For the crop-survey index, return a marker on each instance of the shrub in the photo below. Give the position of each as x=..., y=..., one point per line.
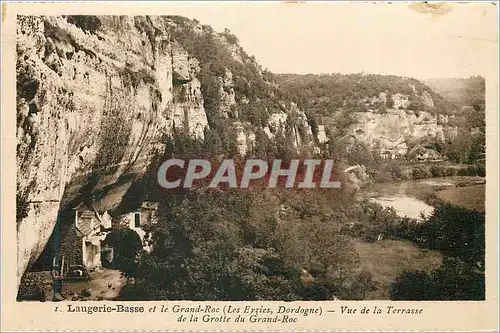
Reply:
x=454, y=231
x=127, y=245
x=421, y=171
x=453, y=280
x=22, y=207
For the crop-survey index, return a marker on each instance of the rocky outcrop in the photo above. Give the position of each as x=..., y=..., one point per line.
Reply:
x=245, y=137
x=227, y=104
x=427, y=99
x=95, y=97
x=391, y=131
x=187, y=110
x=322, y=138
x=276, y=123
x=357, y=176
x=401, y=101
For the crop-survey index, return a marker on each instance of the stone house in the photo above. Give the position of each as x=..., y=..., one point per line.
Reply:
x=144, y=215
x=429, y=155
x=81, y=237
x=396, y=152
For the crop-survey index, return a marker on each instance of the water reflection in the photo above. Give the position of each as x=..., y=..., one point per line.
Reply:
x=405, y=205
x=406, y=196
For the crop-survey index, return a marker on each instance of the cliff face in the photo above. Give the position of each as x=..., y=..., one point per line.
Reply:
x=187, y=108
x=96, y=95
x=239, y=95
x=92, y=109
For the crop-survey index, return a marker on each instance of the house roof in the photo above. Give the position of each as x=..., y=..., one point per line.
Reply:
x=87, y=222
x=84, y=223
x=149, y=205
x=82, y=206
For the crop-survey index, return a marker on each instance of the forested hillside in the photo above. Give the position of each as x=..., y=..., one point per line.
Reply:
x=328, y=93
x=462, y=92
x=274, y=244
x=372, y=114
x=236, y=90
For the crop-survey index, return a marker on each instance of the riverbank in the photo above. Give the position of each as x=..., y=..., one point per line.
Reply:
x=391, y=257
x=402, y=170
x=470, y=197
x=410, y=197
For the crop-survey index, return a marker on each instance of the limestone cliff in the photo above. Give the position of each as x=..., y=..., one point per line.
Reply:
x=239, y=95
x=392, y=131
x=95, y=97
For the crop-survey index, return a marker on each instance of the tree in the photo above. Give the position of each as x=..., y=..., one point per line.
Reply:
x=263, y=146
x=285, y=149
x=360, y=153
x=458, y=149
x=126, y=245
x=212, y=143
x=452, y=281
x=234, y=245
x=344, y=120
x=389, y=102
x=213, y=246
x=363, y=283
x=415, y=286
x=477, y=148
x=456, y=280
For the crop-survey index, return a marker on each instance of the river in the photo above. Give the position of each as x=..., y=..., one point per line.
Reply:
x=406, y=196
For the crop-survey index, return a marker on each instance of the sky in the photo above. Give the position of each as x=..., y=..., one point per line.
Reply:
x=321, y=37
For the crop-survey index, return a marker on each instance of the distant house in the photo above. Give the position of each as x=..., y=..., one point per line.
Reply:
x=386, y=154
x=399, y=156
x=421, y=153
x=429, y=155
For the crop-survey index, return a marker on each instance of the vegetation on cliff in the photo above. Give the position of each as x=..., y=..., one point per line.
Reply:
x=255, y=95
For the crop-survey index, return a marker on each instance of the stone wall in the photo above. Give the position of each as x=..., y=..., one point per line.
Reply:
x=36, y=286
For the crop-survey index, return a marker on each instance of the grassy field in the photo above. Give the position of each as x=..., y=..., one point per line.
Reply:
x=387, y=259
x=470, y=197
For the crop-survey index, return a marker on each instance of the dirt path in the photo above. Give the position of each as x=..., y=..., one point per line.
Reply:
x=105, y=285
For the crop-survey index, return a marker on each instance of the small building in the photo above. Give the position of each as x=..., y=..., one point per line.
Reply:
x=142, y=216
x=386, y=154
x=81, y=236
x=429, y=155
x=399, y=156
x=91, y=227
x=84, y=232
